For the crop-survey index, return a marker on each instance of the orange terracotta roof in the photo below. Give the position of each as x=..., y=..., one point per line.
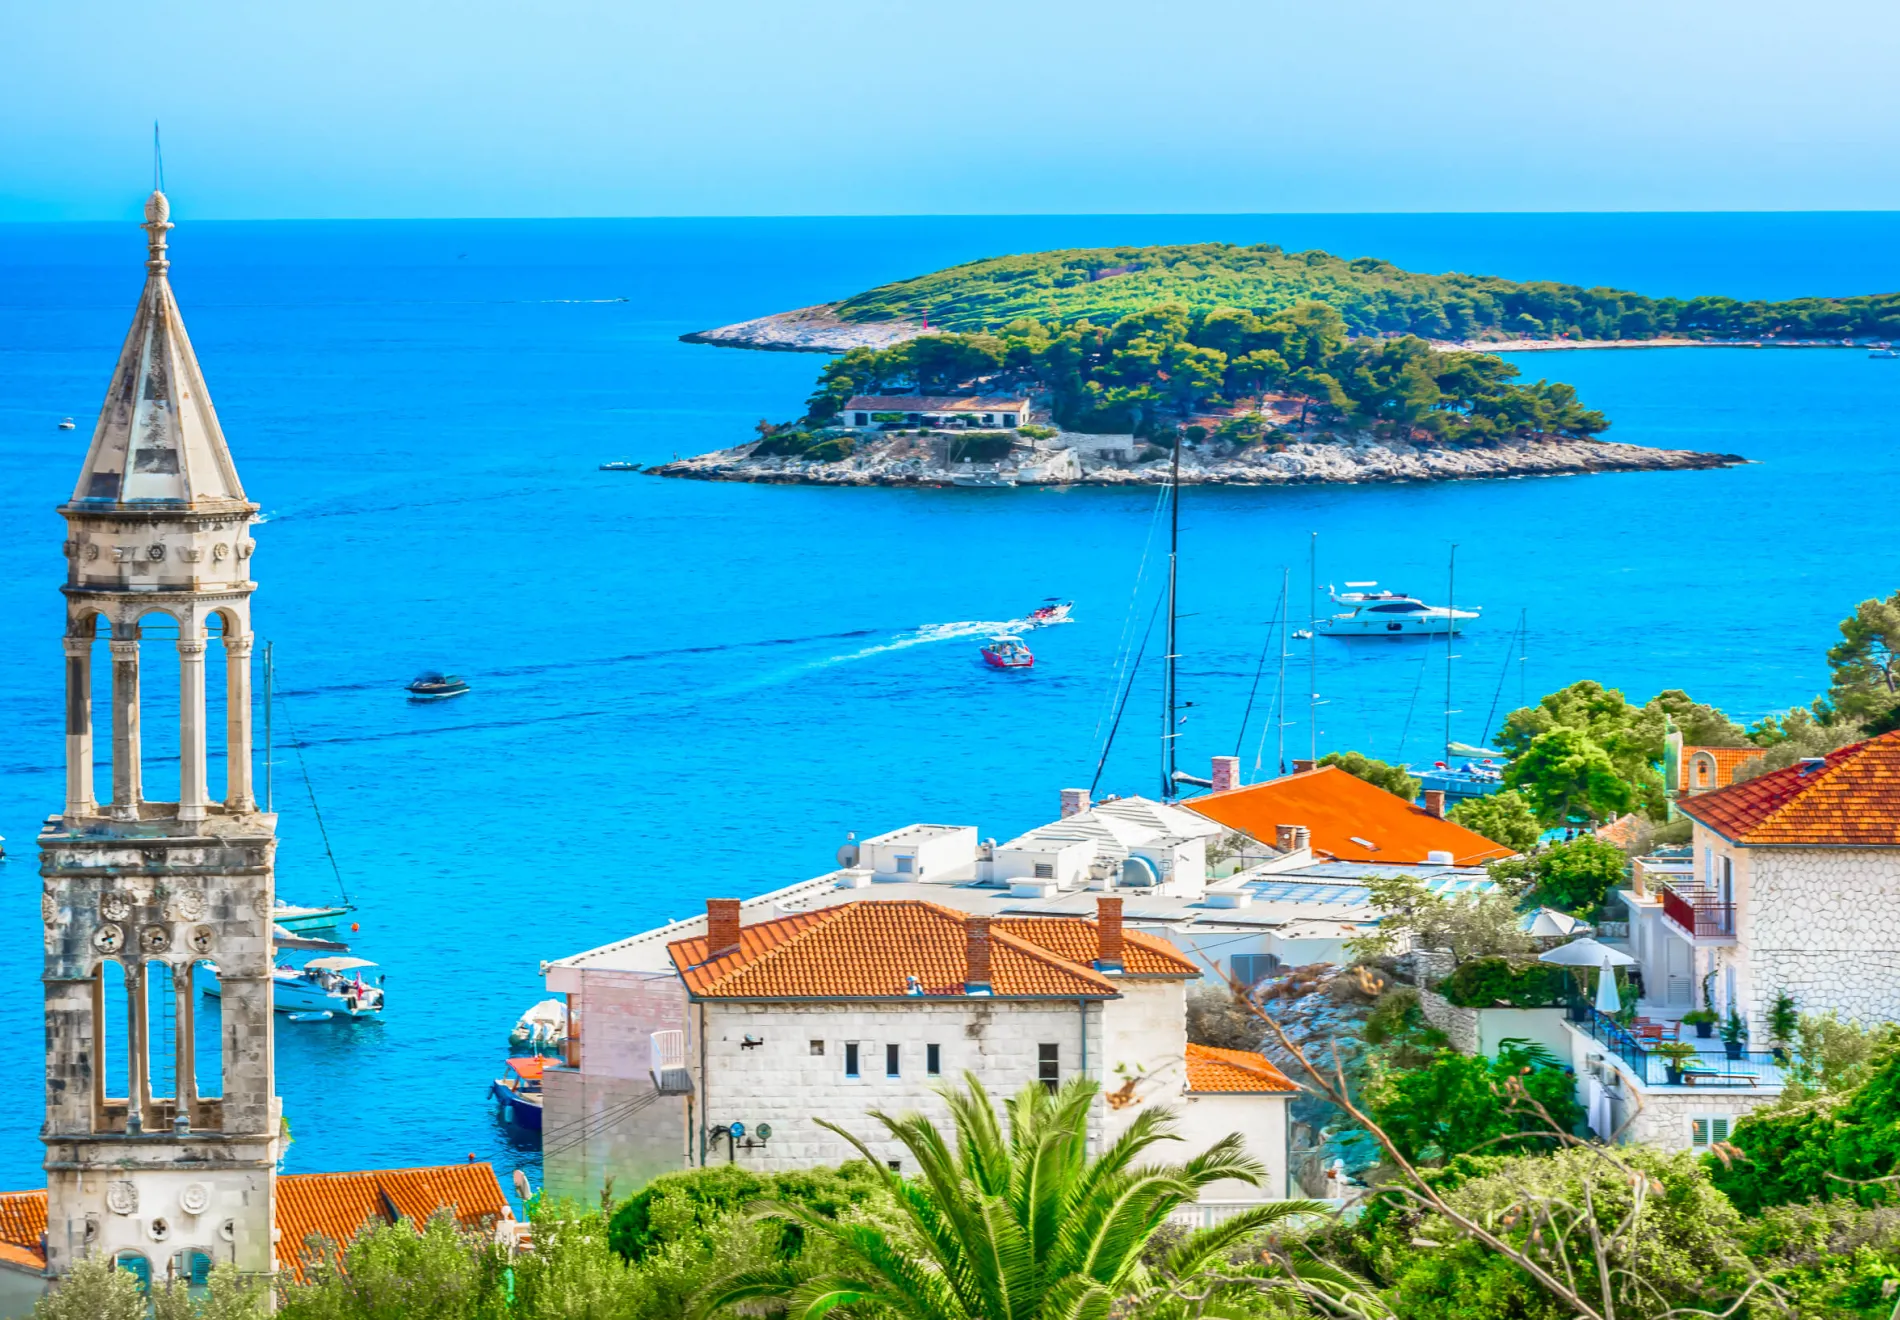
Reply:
x=22, y=1225
x=1852, y=799
x=1337, y=807
x=1723, y=762
x=332, y=1206
x=338, y=1206
x=1077, y=942
x=1224, y=1071
x=869, y=950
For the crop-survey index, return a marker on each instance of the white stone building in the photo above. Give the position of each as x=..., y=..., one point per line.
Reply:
x=1003, y=412
x=1792, y=885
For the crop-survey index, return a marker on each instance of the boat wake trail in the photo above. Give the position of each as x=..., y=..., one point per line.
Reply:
x=922, y=635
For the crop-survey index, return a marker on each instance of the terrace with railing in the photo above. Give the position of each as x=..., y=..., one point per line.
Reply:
x=1698, y=912
x=1710, y=1068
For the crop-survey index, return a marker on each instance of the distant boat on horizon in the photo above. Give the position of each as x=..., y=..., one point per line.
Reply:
x=67, y=424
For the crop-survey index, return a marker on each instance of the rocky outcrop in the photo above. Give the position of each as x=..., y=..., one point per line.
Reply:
x=1093, y=460
x=807, y=330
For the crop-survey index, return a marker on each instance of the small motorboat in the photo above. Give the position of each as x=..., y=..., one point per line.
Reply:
x=1884, y=353
x=986, y=478
x=517, y=1092
x=1457, y=782
x=542, y=1029
x=67, y=424
x=432, y=686
x=620, y=465
x=1052, y=610
x=1302, y=634
x=1007, y=653
x=321, y=1015
x=332, y=985
x=1378, y=613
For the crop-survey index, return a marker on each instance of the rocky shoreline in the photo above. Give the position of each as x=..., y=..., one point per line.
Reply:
x=1094, y=460
x=818, y=329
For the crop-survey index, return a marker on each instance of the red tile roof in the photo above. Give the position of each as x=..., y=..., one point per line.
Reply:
x=1852, y=799
x=869, y=950
x=1077, y=941
x=1213, y=1071
x=1722, y=763
x=1337, y=807
x=332, y=1206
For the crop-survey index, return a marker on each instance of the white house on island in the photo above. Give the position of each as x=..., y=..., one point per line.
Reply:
x=986, y=411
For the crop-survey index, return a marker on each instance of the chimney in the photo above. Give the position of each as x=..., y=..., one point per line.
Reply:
x=1302, y=839
x=722, y=926
x=1283, y=838
x=1226, y=773
x=1435, y=802
x=976, y=980
x=1075, y=801
x=1301, y=767
x=1108, y=934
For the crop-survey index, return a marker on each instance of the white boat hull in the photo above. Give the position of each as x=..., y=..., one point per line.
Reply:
x=292, y=992
x=1408, y=626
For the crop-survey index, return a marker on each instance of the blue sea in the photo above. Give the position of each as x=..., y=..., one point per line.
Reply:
x=685, y=690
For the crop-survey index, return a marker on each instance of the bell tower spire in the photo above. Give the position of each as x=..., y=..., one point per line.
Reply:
x=152, y=1149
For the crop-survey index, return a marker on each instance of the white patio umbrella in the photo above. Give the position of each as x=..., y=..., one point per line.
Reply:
x=1549, y=923
x=1585, y=952
x=1609, y=1000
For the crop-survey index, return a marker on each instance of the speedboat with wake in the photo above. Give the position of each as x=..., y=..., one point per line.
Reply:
x=1378, y=613
x=1007, y=653
x=1052, y=610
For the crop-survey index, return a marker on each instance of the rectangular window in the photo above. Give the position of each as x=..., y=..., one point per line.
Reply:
x=1048, y=1065
x=890, y=1061
x=863, y=419
x=1707, y=1130
x=818, y=1047
x=897, y=1166
x=905, y=865
x=1009, y=419
x=1252, y=968
x=851, y=1058
x=1045, y=870
x=933, y=1060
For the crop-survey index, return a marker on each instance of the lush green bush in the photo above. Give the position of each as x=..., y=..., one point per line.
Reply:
x=1504, y=818
x=395, y=1271
x=1459, y=1103
x=1487, y=982
x=685, y=1204
x=1832, y=1145
x=1574, y=876
x=832, y=449
x=1394, y=779
x=783, y=443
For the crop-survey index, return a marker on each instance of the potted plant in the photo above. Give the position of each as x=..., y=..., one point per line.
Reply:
x=1783, y=1021
x=1703, y=1020
x=1674, y=1054
x=1734, y=1032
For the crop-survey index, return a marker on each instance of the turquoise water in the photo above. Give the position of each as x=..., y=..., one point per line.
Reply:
x=686, y=690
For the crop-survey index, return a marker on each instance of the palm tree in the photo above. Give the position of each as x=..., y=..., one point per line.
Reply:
x=1022, y=1226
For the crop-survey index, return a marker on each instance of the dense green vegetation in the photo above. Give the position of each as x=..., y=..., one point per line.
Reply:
x=1504, y=818
x=1394, y=779
x=1574, y=876
x=1460, y=1103
x=1373, y=297
x=1512, y=982
x=1152, y=370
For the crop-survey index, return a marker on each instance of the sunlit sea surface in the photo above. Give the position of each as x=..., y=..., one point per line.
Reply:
x=685, y=690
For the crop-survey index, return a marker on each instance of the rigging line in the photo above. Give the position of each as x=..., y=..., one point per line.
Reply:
x=1259, y=669
x=1504, y=672
x=1125, y=646
x=1128, y=691
x=322, y=830
x=1416, y=688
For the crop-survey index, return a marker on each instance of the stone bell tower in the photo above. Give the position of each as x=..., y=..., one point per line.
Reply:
x=162, y=1121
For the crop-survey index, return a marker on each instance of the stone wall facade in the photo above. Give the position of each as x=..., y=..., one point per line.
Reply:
x=1822, y=924
x=1460, y=1025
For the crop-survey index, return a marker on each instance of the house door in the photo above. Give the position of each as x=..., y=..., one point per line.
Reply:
x=1679, y=973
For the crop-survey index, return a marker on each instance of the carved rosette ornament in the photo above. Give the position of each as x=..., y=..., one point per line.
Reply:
x=202, y=940
x=155, y=939
x=195, y=1199
x=122, y=1198
x=188, y=905
x=49, y=909
x=115, y=907
x=108, y=939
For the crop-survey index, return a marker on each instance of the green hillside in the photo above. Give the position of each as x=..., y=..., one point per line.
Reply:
x=1375, y=297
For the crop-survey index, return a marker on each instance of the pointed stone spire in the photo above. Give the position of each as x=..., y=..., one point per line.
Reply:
x=158, y=439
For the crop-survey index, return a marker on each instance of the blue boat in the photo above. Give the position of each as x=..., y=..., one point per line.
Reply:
x=517, y=1093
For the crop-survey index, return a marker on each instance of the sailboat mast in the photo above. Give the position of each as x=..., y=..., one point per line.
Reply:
x=269, y=758
x=1279, y=700
x=1451, y=634
x=1168, y=730
x=1312, y=645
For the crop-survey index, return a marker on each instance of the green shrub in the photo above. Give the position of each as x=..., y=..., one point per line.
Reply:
x=1504, y=818
x=1488, y=982
x=833, y=449
x=685, y=1204
x=1394, y=779
x=1038, y=432
x=1818, y=1149
x=1459, y=1103
x=783, y=444
x=1574, y=877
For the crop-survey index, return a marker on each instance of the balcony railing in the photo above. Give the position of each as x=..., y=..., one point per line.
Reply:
x=1699, y=913
x=1711, y=1069
x=669, y=1063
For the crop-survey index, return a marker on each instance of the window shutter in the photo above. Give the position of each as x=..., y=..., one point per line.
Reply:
x=1718, y=1130
x=1699, y=1133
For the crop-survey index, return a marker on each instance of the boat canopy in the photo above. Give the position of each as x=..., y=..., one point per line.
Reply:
x=529, y=1070
x=431, y=676
x=338, y=964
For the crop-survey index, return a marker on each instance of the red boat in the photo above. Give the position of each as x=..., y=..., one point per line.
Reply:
x=1007, y=653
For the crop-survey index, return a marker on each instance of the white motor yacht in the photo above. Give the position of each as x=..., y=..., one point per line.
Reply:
x=322, y=985
x=1378, y=613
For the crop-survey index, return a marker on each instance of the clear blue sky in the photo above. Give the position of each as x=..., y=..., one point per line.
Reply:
x=395, y=108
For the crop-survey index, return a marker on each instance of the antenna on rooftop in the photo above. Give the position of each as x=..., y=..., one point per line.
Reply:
x=158, y=161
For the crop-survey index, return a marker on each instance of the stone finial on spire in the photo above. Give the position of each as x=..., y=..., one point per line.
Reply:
x=158, y=210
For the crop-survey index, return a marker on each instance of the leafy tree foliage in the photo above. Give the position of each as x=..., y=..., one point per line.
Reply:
x=95, y=1289
x=1795, y=736
x=1834, y=1145
x=1470, y=925
x=1574, y=876
x=1164, y=361
x=1460, y=1103
x=1504, y=818
x=1568, y=777
x=1371, y=297
x=1016, y=1226
x=1865, y=664
x=678, y=1204
x=1631, y=737
x=1700, y=725
x=1394, y=779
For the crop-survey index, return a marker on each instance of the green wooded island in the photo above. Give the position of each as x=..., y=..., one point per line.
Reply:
x=1269, y=365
